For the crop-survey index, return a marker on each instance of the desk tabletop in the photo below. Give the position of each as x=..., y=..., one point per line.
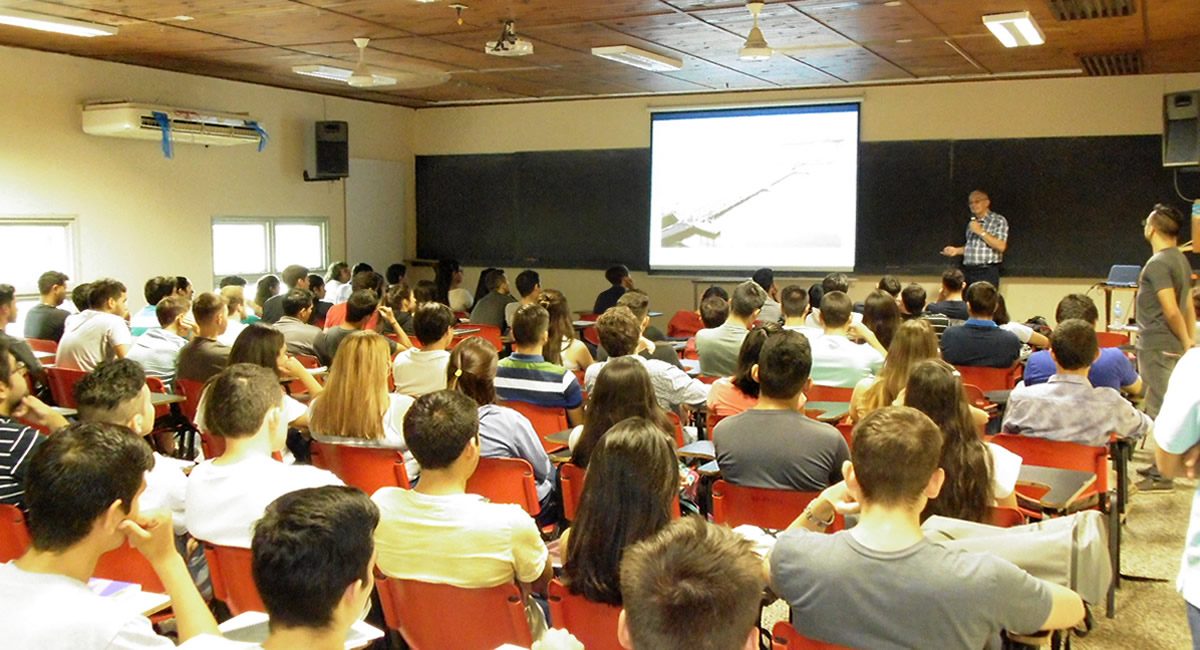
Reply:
x=1065, y=484
x=829, y=411
x=561, y=437
x=702, y=449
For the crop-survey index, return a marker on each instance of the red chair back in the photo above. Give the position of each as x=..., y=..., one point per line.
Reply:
x=735, y=505
x=1005, y=516
x=232, y=578
x=191, y=391
x=674, y=417
x=1062, y=455
x=418, y=611
x=156, y=385
x=126, y=564
x=990, y=378
x=43, y=345
x=711, y=420
x=684, y=323
x=489, y=333
x=506, y=480
x=14, y=535
x=594, y=624
x=817, y=393
x=62, y=385
x=785, y=637
x=308, y=360
x=366, y=468
x=846, y=428
x=571, y=476
x=590, y=334
x=546, y=420
x=212, y=446
x=1105, y=339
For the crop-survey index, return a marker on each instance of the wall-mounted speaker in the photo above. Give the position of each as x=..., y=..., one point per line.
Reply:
x=1181, y=129
x=329, y=156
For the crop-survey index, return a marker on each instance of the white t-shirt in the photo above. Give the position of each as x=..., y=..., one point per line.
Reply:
x=1022, y=330
x=1006, y=467
x=1177, y=429
x=813, y=321
x=225, y=501
x=90, y=338
x=52, y=611
x=417, y=372
x=568, y=347
x=838, y=361
x=460, y=299
x=166, y=489
x=232, y=331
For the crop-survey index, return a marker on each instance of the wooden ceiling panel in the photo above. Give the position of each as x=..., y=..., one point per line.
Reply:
x=926, y=58
x=870, y=23
x=298, y=25
x=1173, y=20
x=162, y=10
x=853, y=64
x=450, y=55
x=438, y=18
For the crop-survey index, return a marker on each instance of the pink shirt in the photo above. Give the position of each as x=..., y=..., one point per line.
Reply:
x=725, y=399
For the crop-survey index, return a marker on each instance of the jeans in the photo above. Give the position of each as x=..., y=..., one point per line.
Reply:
x=975, y=273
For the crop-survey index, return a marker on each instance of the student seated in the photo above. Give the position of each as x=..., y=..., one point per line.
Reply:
x=1068, y=407
x=1112, y=368
x=98, y=334
x=400, y=299
x=360, y=309
x=619, y=332
x=526, y=376
x=17, y=347
x=336, y=277
x=425, y=291
x=1025, y=333
x=718, y=347
x=80, y=295
x=17, y=439
x=46, y=319
x=912, y=307
x=914, y=343
x=355, y=402
x=638, y=302
x=297, y=307
x=979, y=341
x=714, y=311
x=489, y=310
x=264, y=346
x=361, y=281
x=321, y=306
x=503, y=432
x=881, y=316
x=774, y=445
x=236, y=318
x=732, y=395
x=693, y=585
x=832, y=282
x=890, y=285
x=771, y=311
x=437, y=532
x=84, y=484
x=950, y=302
x=836, y=360
x=227, y=495
x=632, y=483
x=450, y=292
x=154, y=291
x=529, y=288
x=794, y=305
x=313, y=564
x=623, y=390
x=979, y=474
x=116, y=393
x=420, y=370
x=882, y=584
x=157, y=350
x=563, y=346
x=295, y=277
x=203, y=356
x=618, y=277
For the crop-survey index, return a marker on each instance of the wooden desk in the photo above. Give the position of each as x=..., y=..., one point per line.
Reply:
x=1065, y=485
x=161, y=399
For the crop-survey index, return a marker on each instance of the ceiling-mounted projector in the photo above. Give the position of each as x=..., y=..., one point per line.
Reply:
x=509, y=44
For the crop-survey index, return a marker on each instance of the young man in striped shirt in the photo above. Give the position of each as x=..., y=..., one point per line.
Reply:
x=526, y=376
x=17, y=440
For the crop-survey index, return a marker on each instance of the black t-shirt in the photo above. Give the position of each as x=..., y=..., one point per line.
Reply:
x=45, y=322
x=608, y=298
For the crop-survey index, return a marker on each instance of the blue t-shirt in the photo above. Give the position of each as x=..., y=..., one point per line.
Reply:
x=1112, y=369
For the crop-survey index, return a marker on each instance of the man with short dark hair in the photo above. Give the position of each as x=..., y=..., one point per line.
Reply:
x=836, y=360
x=156, y=288
x=829, y=284
x=294, y=277
x=912, y=305
x=979, y=341
x=619, y=332
x=46, y=320
x=364, y=281
x=1112, y=368
x=638, y=302
x=714, y=311
x=693, y=571
x=489, y=310
x=437, y=532
x=950, y=301
x=890, y=284
x=98, y=334
x=420, y=370
x=19, y=348
x=718, y=347
x=231, y=281
x=84, y=486
x=529, y=287
x=774, y=445
x=157, y=349
x=297, y=333
x=881, y=584
x=526, y=376
x=1068, y=407
x=794, y=306
x=361, y=306
x=203, y=356
x=617, y=276
x=771, y=311
x=394, y=274
x=226, y=495
x=19, y=440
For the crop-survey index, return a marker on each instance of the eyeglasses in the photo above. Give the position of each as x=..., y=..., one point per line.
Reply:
x=20, y=368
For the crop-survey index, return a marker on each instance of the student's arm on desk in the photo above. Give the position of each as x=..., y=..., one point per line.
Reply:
x=153, y=536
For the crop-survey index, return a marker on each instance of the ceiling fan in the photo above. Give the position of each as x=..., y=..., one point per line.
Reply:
x=364, y=76
x=361, y=76
x=756, y=48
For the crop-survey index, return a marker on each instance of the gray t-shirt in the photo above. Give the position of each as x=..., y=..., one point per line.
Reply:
x=489, y=310
x=1166, y=269
x=718, y=348
x=782, y=450
x=924, y=596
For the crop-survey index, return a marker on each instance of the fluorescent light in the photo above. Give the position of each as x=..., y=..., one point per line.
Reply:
x=45, y=23
x=1015, y=29
x=638, y=58
x=343, y=75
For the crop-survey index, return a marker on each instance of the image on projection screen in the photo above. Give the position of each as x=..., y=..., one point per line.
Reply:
x=746, y=188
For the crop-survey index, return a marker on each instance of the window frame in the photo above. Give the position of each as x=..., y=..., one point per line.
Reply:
x=270, y=223
x=69, y=223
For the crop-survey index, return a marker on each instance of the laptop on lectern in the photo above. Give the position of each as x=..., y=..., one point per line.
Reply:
x=1123, y=275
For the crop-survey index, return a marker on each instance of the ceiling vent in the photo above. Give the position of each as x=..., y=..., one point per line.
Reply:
x=1091, y=9
x=1113, y=64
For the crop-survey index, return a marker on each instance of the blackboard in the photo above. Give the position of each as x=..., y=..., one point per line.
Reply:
x=1074, y=205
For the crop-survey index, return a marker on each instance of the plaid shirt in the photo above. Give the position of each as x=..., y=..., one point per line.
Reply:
x=976, y=251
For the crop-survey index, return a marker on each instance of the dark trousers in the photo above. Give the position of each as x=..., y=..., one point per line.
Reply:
x=976, y=272
x=1193, y=616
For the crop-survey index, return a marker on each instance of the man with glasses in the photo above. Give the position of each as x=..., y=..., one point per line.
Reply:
x=987, y=240
x=18, y=439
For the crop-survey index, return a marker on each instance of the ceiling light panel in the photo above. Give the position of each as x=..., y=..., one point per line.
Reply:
x=45, y=23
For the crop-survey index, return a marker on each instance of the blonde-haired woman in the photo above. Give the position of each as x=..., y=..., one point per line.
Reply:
x=913, y=343
x=356, y=402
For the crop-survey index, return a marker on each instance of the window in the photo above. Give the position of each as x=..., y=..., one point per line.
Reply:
x=34, y=245
x=252, y=247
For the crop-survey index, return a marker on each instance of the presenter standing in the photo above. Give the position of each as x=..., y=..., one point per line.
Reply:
x=987, y=239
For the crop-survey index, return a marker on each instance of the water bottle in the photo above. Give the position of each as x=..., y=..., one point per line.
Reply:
x=1118, y=312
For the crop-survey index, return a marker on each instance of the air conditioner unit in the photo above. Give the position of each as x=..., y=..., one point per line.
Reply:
x=167, y=124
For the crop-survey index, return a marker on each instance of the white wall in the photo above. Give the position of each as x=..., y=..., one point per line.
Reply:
x=140, y=214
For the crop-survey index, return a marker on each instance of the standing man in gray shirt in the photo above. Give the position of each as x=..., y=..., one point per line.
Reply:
x=881, y=584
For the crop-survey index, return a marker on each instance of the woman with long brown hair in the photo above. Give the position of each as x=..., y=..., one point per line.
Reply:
x=623, y=390
x=732, y=395
x=563, y=347
x=356, y=403
x=913, y=343
x=881, y=315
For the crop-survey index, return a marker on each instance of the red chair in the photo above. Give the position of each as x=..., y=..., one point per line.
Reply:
x=846, y=428
x=1105, y=339
x=735, y=505
x=590, y=334
x=43, y=345
x=126, y=564
x=785, y=637
x=674, y=417
x=571, y=476
x=232, y=578
x=711, y=420
x=366, y=468
x=62, y=385
x=546, y=420
x=191, y=391
x=988, y=379
x=684, y=324
x=1062, y=455
x=707, y=379
x=156, y=385
x=506, y=480
x=420, y=612
x=308, y=360
x=1006, y=516
x=490, y=333
x=14, y=535
x=817, y=393
x=594, y=624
